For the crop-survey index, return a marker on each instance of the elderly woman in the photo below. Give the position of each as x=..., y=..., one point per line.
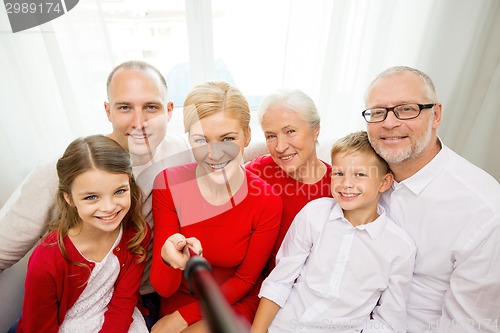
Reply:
x=215, y=205
x=291, y=125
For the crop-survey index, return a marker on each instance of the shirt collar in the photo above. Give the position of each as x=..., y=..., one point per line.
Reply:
x=374, y=228
x=424, y=176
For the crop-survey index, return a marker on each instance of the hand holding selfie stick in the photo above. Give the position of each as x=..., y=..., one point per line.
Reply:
x=218, y=314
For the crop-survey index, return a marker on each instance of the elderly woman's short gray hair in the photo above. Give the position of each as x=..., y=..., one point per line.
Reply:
x=292, y=100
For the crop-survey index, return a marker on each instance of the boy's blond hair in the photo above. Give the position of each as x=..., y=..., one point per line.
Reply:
x=358, y=142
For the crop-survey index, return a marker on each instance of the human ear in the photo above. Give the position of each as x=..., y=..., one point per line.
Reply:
x=438, y=110
x=316, y=132
x=386, y=182
x=170, y=108
x=108, y=110
x=67, y=197
x=248, y=136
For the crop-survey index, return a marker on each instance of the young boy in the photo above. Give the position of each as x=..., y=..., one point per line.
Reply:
x=343, y=266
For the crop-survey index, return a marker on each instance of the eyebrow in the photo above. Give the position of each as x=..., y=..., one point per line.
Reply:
x=394, y=104
x=220, y=136
x=287, y=127
x=283, y=128
x=125, y=184
x=228, y=133
x=85, y=193
x=128, y=103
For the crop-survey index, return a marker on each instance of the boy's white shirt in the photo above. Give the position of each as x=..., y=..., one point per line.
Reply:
x=330, y=275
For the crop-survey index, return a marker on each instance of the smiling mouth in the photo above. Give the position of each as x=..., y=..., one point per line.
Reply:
x=288, y=157
x=349, y=195
x=394, y=138
x=218, y=166
x=140, y=136
x=107, y=218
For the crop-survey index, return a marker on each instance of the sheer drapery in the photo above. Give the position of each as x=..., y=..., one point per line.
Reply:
x=48, y=89
x=466, y=64
x=452, y=41
x=52, y=78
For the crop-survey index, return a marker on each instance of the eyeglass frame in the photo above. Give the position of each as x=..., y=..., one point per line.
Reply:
x=387, y=110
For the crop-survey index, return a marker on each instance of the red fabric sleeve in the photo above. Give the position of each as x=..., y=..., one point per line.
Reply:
x=165, y=280
x=40, y=307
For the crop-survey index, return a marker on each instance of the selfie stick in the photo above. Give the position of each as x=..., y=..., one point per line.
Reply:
x=218, y=314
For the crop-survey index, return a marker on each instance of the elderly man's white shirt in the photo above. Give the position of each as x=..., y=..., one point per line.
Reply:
x=450, y=209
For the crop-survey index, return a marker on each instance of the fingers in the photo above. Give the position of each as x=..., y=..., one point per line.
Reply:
x=176, y=250
x=178, y=240
x=195, y=245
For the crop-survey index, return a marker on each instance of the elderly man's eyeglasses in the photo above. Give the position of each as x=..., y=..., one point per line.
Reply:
x=403, y=112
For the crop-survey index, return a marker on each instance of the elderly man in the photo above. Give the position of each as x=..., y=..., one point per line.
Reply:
x=448, y=206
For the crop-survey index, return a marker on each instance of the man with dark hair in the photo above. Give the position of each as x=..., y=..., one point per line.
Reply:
x=139, y=111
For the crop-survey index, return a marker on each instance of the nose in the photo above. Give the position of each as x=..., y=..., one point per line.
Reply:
x=391, y=120
x=281, y=144
x=347, y=181
x=215, y=151
x=107, y=205
x=138, y=119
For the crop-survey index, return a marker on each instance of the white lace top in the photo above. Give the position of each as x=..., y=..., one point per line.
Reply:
x=87, y=314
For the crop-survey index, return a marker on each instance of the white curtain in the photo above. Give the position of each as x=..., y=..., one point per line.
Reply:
x=48, y=90
x=52, y=78
x=455, y=42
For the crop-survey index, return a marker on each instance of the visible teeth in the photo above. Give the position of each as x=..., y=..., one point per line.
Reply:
x=107, y=218
x=349, y=195
x=286, y=158
x=219, y=166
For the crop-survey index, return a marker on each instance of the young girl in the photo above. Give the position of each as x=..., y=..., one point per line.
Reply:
x=85, y=274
